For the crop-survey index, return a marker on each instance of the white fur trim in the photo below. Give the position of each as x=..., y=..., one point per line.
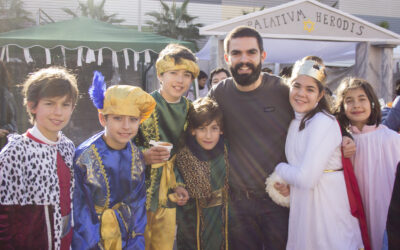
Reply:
x=273, y=193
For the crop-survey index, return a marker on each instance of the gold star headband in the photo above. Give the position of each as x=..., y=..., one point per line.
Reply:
x=310, y=68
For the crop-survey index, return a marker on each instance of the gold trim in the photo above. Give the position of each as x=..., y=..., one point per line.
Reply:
x=123, y=220
x=137, y=165
x=187, y=112
x=100, y=210
x=153, y=126
x=198, y=224
x=216, y=199
x=332, y=170
x=227, y=167
x=103, y=172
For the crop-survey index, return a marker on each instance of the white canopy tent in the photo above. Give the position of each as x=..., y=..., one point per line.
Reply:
x=307, y=27
x=288, y=51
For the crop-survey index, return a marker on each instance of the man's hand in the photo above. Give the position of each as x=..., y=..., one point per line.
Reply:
x=155, y=155
x=3, y=133
x=283, y=189
x=183, y=195
x=348, y=147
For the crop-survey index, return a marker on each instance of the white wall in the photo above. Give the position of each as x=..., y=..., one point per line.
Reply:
x=129, y=10
x=390, y=8
x=51, y=7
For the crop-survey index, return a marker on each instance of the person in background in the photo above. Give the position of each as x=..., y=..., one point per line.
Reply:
x=36, y=169
x=286, y=72
x=391, y=113
x=267, y=70
x=8, y=110
x=217, y=75
x=393, y=219
x=203, y=87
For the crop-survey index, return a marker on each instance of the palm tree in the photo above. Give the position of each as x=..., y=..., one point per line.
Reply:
x=245, y=12
x=175, y=22
x=13, y=16
x=90, y=9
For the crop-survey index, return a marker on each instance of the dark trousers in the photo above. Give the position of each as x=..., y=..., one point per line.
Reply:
x=257, y=224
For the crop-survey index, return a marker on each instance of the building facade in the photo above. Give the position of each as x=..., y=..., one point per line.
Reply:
x=214, y=11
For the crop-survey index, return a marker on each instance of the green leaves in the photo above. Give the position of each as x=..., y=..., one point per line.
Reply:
x=174, y=21
x=13, y=15
x=89, y=9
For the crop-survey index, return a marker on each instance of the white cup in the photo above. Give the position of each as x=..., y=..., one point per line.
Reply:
x=164, y=144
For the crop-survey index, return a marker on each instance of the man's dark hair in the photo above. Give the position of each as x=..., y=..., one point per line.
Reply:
x=243, y=31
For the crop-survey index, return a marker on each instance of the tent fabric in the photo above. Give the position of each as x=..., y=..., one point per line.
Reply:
x=286, y=51
x=90, y=33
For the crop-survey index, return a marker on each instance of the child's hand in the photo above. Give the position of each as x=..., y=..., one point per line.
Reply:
x=155, y=155
x=283, y=189
x=183, y=195
x=348, y=147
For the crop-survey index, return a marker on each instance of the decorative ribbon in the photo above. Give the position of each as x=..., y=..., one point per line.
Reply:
x=90, y=57
x=48, y=57
x=168, y=179
x=63, y=53
x=147, y=58
x=7, y=54
x=27, y=55
x=126, y=56
x=100, y=57
x=79, y=57
x=136, y=60
x=3, y=51
x=115, y=59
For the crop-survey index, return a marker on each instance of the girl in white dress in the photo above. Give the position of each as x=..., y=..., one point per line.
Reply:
x=377, y=154
x=320, y=216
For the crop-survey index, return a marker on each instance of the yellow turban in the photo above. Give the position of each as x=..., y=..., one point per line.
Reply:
x=128, y=100
x=167, y=63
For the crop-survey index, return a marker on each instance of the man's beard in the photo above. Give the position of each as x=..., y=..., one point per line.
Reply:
x=246, y=79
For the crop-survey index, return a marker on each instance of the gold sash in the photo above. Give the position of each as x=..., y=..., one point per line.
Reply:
x=168, y=179
x=109, y=230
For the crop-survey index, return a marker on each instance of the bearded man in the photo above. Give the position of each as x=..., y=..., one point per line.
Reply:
x=257, y=114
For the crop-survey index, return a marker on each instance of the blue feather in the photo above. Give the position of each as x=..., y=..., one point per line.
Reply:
x=97, y=90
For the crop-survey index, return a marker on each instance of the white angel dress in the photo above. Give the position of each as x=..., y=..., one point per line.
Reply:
x=320, y=216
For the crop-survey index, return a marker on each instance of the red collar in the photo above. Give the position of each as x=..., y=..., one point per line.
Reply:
x=29, y=135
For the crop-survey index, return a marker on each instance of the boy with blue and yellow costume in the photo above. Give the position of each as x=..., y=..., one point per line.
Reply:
x=110, y=195
x=176, y=69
